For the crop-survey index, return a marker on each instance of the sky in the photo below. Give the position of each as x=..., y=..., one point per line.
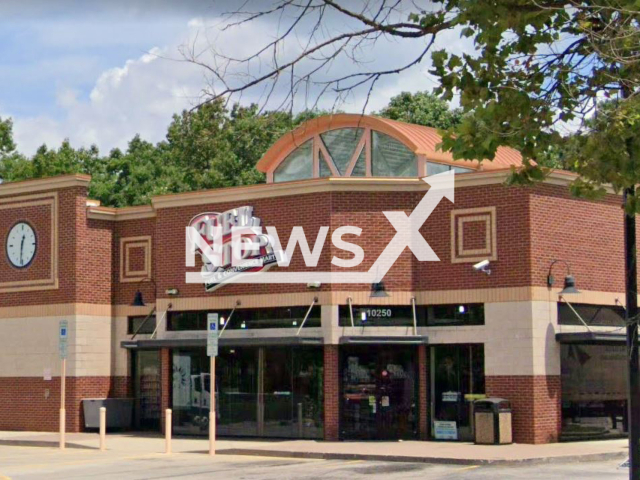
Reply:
x=100, y=72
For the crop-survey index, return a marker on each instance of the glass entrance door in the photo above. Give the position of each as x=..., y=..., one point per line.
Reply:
x=146, y=374
x=260, y=391
x=379, y=393
x=457, y=373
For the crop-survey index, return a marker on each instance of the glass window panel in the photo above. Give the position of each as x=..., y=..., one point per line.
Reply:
x=325, y=171
x=461, y=170
x=390, y=158
x=436, y=168
x=380, y=316
x=247, y=319
x=460, y=314
x=597, y=315
x=341, y=145
x=594, y=391
x=139, y=325
x=360, y=168
x=297, y=165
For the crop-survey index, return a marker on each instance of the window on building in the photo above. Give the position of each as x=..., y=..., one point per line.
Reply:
x=391, y=158
x=379, y=316
x=135, y=323
x=341, y=145
x=594, y=391
x=456, y=314
x=247, y=319
x=594, y=315
x=297, y=165
x=402, y=315
x=436, y=168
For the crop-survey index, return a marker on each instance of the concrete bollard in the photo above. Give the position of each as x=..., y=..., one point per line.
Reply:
x=62, y=428
x=167, y=431
x=103, y=429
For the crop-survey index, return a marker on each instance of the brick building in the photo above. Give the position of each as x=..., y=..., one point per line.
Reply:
x=401, y=359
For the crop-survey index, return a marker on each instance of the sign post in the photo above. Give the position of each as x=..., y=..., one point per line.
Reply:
x=62, y=350
x=212, y=352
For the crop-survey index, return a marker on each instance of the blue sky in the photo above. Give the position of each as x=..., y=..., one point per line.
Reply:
x=98, y=72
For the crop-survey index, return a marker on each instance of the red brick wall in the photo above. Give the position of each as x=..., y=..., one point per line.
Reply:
x=67, y=219
x=331, y=393
x=24, y=406
x=536, y=404
x=165, y=383
x=588, y=235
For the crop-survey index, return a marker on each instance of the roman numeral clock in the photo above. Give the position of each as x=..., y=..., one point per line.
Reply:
x=22, y=245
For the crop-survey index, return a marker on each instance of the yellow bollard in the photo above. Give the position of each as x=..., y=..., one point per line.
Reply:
x=167, y=431
x=103, y=429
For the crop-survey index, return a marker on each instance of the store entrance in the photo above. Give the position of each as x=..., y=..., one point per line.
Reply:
x=457, y=376
x=379, y=393
x=260, y=391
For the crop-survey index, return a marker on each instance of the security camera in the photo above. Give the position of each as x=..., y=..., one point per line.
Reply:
x=314, y=285
x=482, y=266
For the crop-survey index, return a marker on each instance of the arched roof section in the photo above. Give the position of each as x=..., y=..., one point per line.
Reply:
x=420, y=140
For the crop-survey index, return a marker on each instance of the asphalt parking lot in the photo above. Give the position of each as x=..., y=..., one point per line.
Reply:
x=50, y=463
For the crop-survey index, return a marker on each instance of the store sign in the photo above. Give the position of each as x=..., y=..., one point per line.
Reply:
x=212, y=334
x=63, y=339
x=237, y=245
x=445, y=430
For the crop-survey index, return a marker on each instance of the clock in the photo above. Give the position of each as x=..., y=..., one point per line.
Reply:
x=22, y=245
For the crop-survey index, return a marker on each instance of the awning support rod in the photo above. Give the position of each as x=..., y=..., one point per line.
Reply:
x=315, y=299
x=143, y=322
x=350, y=310
x=576, y=313
x=161, y=319
x=415, y=320
x=229, y=319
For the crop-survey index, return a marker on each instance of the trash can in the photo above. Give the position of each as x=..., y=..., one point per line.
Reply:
x=119, y=412
x=492, y=418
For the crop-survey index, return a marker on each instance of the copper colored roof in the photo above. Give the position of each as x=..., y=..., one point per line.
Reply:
x=421, y=140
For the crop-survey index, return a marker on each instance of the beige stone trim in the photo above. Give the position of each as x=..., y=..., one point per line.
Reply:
x=50, y=200
x=458, y=219
x=44, y=184
x=487, y=295
x=55, y=310
x=131, y=311
x=126, y=244
x=120, y=214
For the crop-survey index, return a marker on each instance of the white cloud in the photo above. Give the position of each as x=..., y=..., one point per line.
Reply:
x=140, y=96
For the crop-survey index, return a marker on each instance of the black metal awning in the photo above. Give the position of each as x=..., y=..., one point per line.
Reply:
x=223, y=342
x=399, y=340
x=592, y=338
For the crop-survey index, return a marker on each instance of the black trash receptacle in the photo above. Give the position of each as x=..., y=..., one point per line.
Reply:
x=492, y=418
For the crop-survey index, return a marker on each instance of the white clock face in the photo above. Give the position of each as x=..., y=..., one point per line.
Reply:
x=21, y=245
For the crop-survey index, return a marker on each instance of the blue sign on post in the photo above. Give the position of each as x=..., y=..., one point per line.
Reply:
x=63, y=338
x=212, y=334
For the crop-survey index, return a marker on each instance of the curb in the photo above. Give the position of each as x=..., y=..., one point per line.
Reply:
x=41, y=443
x=593, y=457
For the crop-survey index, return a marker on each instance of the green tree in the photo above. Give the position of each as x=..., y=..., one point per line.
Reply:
x=422, y=108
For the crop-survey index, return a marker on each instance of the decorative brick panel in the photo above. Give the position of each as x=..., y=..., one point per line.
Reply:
x=331, y=393
x=536, y=404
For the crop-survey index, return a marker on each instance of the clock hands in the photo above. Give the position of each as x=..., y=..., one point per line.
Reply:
x=22, y=248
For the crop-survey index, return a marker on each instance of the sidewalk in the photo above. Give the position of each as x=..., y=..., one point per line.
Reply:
x=408, y=451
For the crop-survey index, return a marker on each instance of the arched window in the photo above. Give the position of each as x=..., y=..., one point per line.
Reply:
x=390, y=158
x=297, y=165
x=341, y=145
